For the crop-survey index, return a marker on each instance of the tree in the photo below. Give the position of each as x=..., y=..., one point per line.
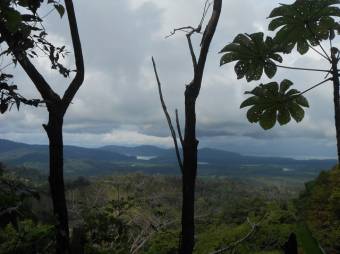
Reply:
x=190, y=142
x=304, y=24
x=21, y=30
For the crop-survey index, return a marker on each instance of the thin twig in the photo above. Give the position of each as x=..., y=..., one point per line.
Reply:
x=301, y=69
x=316, y=38
x=172, y=130
x=186, y=29
x=179, y=129
x=232, y=246
x=317, y=51
x=318, y=84
x=205, y=11
x=192, y=52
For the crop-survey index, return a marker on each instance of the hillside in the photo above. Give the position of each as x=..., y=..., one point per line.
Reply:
x=80, y=161
x=320, y=208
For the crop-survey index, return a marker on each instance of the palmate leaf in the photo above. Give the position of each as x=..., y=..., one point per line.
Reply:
x=273, y=102
x=253, y=54
x=304, y=22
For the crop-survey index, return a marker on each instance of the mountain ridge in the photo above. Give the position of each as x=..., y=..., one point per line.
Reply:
x=120, y=159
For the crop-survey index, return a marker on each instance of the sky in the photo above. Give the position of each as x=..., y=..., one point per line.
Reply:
x=119, y=104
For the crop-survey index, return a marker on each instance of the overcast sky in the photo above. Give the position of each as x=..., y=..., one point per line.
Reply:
x=118, y=102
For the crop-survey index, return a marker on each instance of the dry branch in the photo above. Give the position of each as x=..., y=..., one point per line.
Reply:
x=172, y=130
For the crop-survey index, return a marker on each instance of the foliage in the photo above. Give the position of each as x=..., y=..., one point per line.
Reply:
x=273, y=102
x=319, y=206
x=28, y=238
x=14, y=194
x=20, y=20
x=19, y=231
x=108, y=227
x=304, y=24
x=253, y=55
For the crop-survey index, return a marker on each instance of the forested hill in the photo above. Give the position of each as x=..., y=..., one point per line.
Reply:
x=320, y=208
x=80, y=161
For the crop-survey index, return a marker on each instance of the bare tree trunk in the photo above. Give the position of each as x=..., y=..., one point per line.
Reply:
x=336, y=97
x=190, y=143
x=189, y=174
x=54, y=130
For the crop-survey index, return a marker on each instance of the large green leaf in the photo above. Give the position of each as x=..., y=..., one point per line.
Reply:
x=304, y=22
x=273, y=102
x=253, y=54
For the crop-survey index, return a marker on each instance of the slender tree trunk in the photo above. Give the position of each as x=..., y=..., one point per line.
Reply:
x=189, y=175
x=336, y=97
x=54, y=130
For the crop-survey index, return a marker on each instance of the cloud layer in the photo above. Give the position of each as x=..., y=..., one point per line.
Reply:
x=118, y=103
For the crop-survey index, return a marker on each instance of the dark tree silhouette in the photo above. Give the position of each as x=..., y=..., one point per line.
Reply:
x=17, y=31
x=190, y=142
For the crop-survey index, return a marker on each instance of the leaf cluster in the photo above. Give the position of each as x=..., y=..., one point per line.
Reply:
x=10, y=97
x=275, y=102
x=20, y=20
x=303, y=24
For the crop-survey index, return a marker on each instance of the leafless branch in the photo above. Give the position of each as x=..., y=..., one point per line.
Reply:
x=79, y=78
x=192, y=52
x=253, y=227
x=185, y=29
x=205, y=11
x=179, y=129
x=172, y=130
x=205, y=44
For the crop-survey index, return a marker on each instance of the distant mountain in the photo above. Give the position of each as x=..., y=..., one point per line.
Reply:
x=144, y=150
x=36, y=156
x=80, y=161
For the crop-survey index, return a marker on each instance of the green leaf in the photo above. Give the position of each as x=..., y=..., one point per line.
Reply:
x=250, y=101
x=270, y=69
x=277, y=58
x=13, y=18
x=254, y=114
x=303, y=22
x=241, y=68
x=268, y=119
x=272, y=102
x=285, y=85
x=227, y=58
x=302, y=101
x=296, y=112
x=302, y=47
x=255, y=55
x=283, y=116
x=60, y=9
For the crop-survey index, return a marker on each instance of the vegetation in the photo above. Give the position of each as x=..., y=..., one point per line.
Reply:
x=320, y=208
x=141, y=214
x=240, y=208
x=304, y=24
x=24, y=34
x=190, y=143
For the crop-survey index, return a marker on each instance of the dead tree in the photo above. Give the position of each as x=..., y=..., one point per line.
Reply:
x=190, y=142
x=57, y=107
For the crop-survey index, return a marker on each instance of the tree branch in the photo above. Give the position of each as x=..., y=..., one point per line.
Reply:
x=179, y=129
x=311, y=88
x=38, y=80
x=232, y=246
x=192, y=52
x=300, y=69
x=172, y=130
x=317, y=51
x=79, y=78
x=205, y=44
